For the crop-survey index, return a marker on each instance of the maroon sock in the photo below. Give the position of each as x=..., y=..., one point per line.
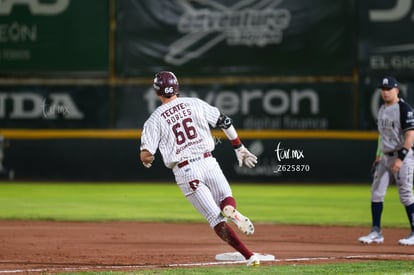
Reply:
x=228, y=201
x=227, y=234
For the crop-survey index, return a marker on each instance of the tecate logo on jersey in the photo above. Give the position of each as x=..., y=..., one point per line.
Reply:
x=176, y=113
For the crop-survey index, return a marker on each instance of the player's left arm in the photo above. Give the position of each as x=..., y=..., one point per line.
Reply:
x=408, y=143
x=243, y=155
x=407, y=124
x=409, y=139
x=217, y=119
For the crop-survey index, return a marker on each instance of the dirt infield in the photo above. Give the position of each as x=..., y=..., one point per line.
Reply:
x=83, y=246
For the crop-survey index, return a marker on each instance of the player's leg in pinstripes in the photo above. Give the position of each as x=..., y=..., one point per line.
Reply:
x=204, y=201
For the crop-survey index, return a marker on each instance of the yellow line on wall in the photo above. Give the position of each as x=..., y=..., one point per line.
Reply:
x=136, y=134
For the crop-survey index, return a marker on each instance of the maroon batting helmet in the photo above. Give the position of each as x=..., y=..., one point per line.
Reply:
x=165, y=84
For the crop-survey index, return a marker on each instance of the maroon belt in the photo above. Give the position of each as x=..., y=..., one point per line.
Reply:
x=186, y=162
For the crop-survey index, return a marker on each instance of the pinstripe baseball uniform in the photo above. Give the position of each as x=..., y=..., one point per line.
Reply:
x=180, y=128
x=181, y=131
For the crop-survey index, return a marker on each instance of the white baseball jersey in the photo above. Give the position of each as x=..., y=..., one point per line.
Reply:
x=392, y=122
x=180, y=129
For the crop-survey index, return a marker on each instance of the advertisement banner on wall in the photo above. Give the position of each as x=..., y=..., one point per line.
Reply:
x=235, y=37
x=253, y=106
x=59, y=36
x=386, y=41
x=54, y=107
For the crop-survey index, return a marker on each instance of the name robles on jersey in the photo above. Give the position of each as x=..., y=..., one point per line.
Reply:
x=176, y=113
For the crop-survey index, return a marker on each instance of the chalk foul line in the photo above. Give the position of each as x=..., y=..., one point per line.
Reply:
x=119, y=267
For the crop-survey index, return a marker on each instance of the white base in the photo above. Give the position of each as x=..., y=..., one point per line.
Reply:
x=236, y=256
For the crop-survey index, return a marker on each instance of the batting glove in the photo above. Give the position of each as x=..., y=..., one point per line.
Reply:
x=245, y=157
x=250, y=161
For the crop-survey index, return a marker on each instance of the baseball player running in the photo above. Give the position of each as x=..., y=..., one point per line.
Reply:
x=395, y=162
x=180, y=128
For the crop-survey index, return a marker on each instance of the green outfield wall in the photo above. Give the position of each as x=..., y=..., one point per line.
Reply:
x=54, y=37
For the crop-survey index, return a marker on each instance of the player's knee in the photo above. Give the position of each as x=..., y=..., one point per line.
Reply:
x=406, y=201
x=377, y=197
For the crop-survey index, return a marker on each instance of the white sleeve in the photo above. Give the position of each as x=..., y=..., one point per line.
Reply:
x=212, y=113
x=150, y=136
